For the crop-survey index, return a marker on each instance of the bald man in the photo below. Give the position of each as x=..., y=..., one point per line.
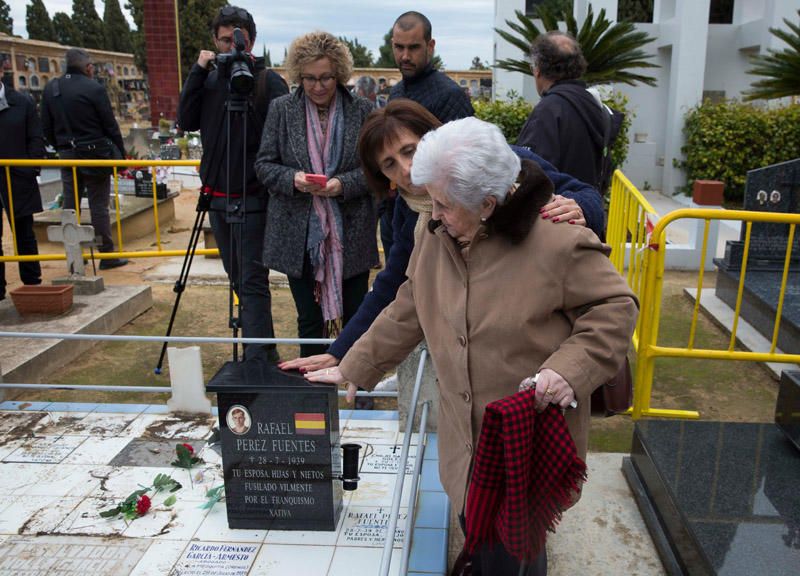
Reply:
x=568, y=126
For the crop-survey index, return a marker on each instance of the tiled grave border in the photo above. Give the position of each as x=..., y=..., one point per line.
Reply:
x=432, y=523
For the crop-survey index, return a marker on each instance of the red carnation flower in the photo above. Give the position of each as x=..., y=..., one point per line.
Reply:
x=143, y=505
x=189, y=448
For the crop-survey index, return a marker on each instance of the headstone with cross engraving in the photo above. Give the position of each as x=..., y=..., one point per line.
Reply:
x=74, y=236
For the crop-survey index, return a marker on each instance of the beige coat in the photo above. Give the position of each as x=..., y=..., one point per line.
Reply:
x=553, y=301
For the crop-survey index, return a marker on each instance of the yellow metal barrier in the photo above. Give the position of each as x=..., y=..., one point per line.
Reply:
x=115, y=165
x=637, y=238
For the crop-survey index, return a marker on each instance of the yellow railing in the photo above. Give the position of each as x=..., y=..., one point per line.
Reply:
x=6, y=164
x=637, y=237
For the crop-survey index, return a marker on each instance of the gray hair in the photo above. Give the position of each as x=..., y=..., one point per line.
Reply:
x=366, y=86
x=469, y=159
x=77, y=58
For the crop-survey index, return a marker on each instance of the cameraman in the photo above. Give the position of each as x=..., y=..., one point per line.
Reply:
x=203, y=107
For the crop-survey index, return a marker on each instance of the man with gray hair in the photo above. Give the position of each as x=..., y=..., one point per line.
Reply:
x=568, y=127
x=76, y=116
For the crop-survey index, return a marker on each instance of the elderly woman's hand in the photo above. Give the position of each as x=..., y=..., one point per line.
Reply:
x=561, y=209
x=551, y=388
x=332, y=376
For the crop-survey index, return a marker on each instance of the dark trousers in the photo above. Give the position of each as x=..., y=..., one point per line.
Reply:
x=254, y=295
x=385, y=217
x=496, y=561
x=97, y=190
x=309, y=314
x=29, y=272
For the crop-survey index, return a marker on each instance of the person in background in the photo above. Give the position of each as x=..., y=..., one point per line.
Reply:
x=203, y=107
x=321, y=224
x=567, y=127
x=20, y=123
x=413, y=48
x=76, y=109
x=499, y=295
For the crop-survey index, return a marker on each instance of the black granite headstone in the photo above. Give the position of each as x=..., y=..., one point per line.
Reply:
x=280, y=448
x=787, y=408
x=774, y=188
x=718, y=497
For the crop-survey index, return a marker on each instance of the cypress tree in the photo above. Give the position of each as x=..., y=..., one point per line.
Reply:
x=136, y=9
x=6, y=21
x=85, y=18
x=38, y=23
x=195, y=25
x=66, y=31
x=118, y=33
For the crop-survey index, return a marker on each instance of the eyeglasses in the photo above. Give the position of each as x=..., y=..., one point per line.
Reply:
x=310, y=81
x=234, y=11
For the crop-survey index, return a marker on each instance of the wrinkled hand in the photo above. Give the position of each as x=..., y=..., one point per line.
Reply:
x=303, y=185
x=310, y=363
x=332, y=376
x=561, y=209
x=205, y=57
x=553, y=389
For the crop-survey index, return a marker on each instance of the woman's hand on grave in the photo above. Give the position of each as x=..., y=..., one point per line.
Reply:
x=332, y=376
x=310, y=363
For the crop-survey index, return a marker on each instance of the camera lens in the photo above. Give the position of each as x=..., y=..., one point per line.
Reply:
x=241, y=78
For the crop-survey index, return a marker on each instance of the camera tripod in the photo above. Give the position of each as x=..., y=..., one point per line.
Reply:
x=235, y=218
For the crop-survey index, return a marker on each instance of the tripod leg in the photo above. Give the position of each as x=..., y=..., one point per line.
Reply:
x=180, y=283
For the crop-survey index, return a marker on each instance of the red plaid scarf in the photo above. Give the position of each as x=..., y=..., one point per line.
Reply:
x=525, y=473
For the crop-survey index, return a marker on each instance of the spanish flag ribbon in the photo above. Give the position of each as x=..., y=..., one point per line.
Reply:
x=306, y=423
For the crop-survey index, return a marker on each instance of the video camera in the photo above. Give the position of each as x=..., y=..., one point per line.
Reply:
x=236, y=66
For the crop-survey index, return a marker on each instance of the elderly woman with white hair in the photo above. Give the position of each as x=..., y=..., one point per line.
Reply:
x=499, y=295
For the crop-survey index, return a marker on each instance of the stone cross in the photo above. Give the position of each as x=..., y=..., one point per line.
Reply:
x=72, y=234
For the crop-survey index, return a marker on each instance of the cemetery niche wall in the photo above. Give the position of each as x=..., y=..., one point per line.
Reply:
x=281, y=454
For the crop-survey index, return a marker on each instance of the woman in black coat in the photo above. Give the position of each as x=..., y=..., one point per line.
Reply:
x=20, y=123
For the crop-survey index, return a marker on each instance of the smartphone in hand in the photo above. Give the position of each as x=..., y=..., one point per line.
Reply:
x=318, y=179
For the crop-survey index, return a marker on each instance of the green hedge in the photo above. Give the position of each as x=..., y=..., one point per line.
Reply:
x=725, y=140
x=510, y=115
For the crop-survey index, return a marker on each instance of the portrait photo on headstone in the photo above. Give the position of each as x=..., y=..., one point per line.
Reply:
x=238, y=420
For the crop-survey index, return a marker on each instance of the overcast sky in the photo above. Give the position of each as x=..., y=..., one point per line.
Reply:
x=462, y=28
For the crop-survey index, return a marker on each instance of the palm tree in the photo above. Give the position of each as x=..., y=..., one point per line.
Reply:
x=781, y=70
x=611, y=51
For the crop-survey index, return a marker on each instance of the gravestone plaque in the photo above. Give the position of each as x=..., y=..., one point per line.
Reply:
x=215, y=559
x=280, y=448
x=383, y=459
x=45, y=450
x=364, y=526
x=66, y=556
x=771, y=189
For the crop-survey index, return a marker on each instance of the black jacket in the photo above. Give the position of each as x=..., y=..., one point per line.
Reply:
x=87, y=109
x=22, y=139
x=202, y=107
x=435, y=91
x=566, y=128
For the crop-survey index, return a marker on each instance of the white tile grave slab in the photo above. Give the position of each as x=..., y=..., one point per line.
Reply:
x=366, y=526
x=383, y=459
x=68, y=556
x=215, y=559
x=159, y=558
x=48, y=450
x=281, y=559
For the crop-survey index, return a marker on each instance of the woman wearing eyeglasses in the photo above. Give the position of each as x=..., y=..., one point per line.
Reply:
x=321, y=223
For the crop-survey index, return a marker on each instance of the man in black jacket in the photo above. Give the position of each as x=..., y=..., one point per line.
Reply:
x=18, y=119
x=568, y=126
x=75, y=110
x=413, y=48
x=203, y=107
